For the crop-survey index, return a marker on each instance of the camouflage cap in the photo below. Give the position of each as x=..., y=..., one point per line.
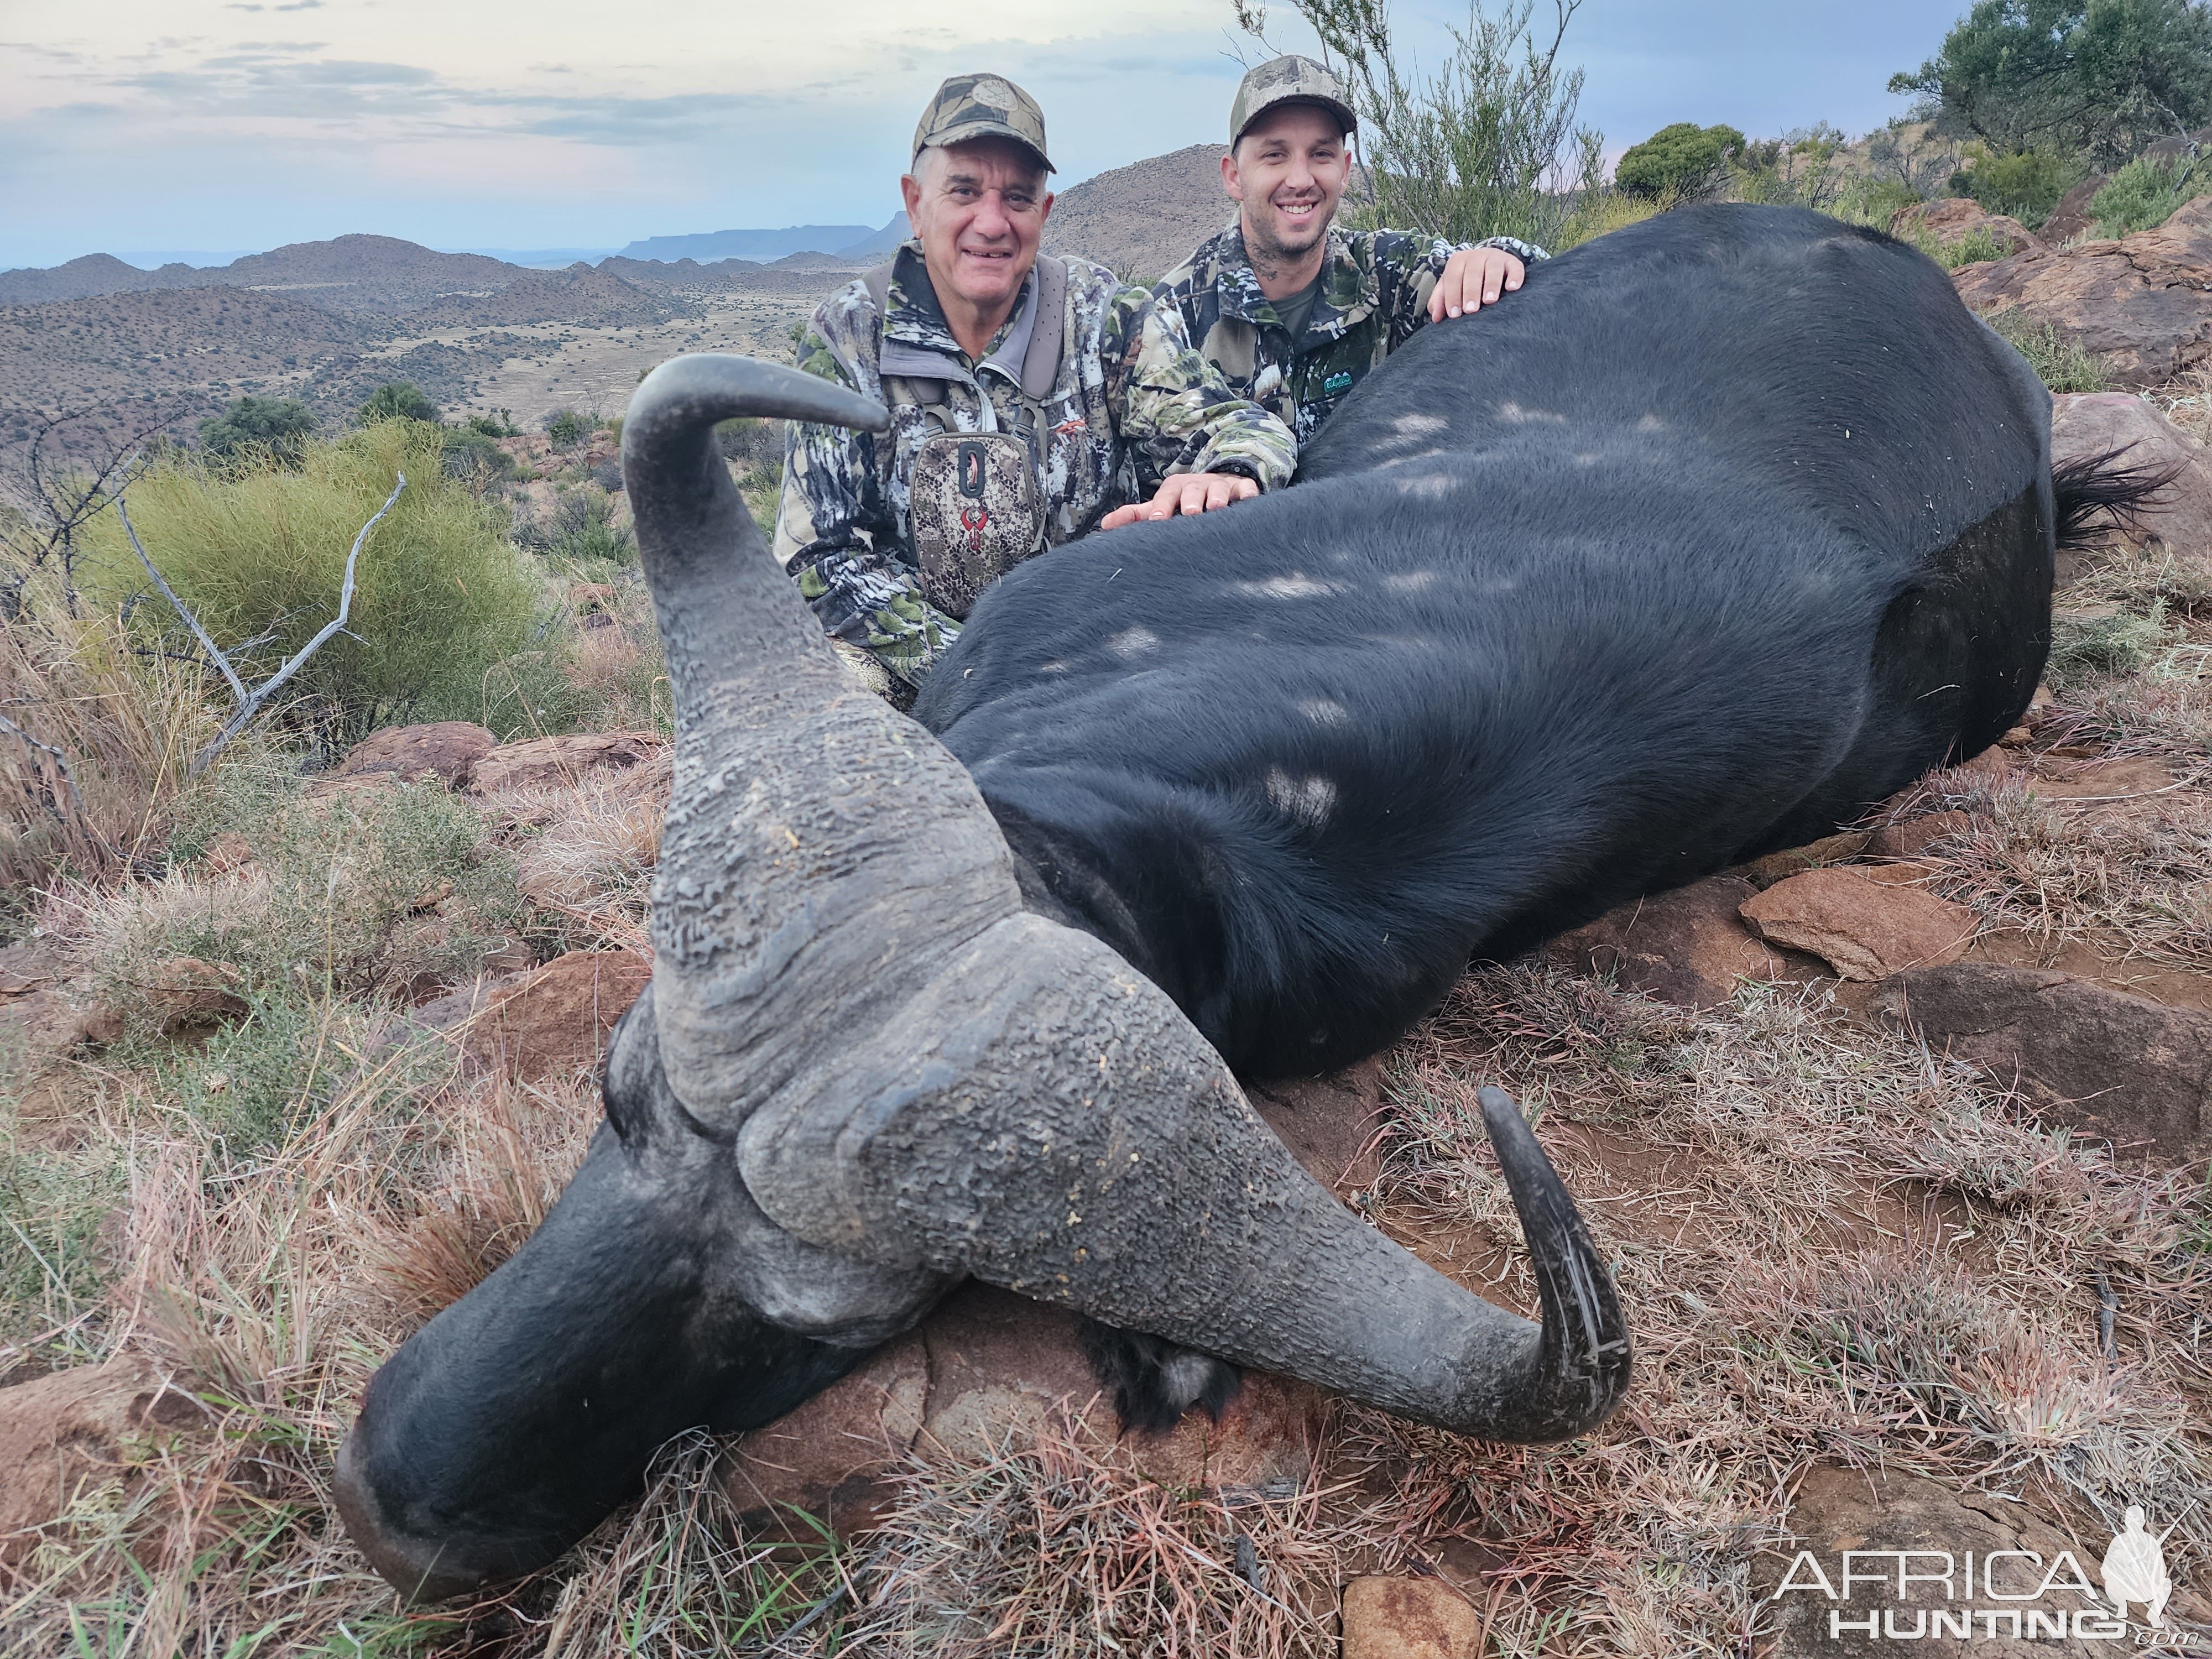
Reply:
x=1289, y=79
x=982, y=106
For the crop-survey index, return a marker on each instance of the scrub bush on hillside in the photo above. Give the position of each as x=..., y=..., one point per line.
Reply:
x=259, y=555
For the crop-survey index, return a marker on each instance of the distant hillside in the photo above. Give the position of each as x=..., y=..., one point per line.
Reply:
x=369, y=273
x=1142, y=219
x=204, y=344
x=348, y=273
x=880, y=247
x=89, y=277
x=759, y=245
x=579, y=295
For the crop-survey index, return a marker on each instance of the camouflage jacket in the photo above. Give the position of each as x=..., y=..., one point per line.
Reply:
x=1133, y=403
x=1375, y=288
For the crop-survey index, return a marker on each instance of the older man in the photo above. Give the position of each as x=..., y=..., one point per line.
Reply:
x=1293, y=310
x=1029, y=397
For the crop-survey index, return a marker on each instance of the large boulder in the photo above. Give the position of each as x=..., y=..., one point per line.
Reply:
x=2086, y=426
x=1954, y=218
x=2125, y=1066
x=2142, y=304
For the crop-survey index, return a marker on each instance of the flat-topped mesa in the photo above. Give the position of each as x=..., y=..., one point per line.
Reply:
x=863, y=1071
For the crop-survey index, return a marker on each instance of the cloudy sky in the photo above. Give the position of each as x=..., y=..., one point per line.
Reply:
x=237, y=124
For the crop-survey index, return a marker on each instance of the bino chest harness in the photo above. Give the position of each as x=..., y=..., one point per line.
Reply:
x=975, y=506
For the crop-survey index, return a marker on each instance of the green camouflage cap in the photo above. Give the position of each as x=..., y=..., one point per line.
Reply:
x=1289, y=79
x=982, y=106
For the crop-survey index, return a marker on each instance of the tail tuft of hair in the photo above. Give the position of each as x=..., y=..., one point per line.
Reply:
x=2094, y=493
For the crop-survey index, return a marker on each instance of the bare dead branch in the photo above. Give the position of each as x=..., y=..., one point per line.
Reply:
x=256, y=700
x=237, y=685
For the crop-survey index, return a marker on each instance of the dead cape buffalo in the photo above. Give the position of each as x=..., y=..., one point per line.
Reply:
x=1727, y=525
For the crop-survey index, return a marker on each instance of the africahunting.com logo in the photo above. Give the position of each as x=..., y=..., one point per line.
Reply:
x=2013, y=1595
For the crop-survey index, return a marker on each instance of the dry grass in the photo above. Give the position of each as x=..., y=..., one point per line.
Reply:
x=1042, y=1549
x=95, y=737
x=1833, y=1246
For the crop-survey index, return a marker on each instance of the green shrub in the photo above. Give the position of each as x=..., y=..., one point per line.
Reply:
x=2025, y=185
x=1977, y=245
x=2143, y=194
x=2057, y=358
x=395, y=400
x=277, y=426
x=1864, y=200
x=566, y=429
x=1683, y=162
x=442, y=595
x=474, y=458
x=582, y=527
x=500, y=423
x=749, y=440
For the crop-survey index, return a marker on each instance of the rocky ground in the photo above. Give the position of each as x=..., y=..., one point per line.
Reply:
x=1897, y=1144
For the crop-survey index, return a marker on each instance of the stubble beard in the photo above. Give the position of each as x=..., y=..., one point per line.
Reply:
x=1269, y=256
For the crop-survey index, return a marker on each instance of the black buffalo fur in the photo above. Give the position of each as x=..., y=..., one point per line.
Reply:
x=1724, y=528
x=1153, y=1380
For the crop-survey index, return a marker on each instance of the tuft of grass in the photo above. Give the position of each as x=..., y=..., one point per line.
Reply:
x=379, y=894
x=2060, y=361
x=2087, y=645
x=259, y=555
x=95, y=732
x=1975, y=246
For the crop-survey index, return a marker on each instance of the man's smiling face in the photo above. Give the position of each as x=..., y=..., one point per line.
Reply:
x=1288, y=171
x=979, y=209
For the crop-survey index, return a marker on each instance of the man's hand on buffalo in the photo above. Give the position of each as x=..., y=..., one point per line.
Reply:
x=1184, y=492
x=1475, y=278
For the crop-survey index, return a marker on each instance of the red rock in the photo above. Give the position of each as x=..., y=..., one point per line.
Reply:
x=2071, y=217
x=446, y=750
x=1836, y=1510
x=1409, y=1618
x=74, y=1430
x=1954, y=218
x=1863, y=929
x=557, y=1019
x=1911, y=837
x=2087, y=425
x=1689, y=947
x=538, y=762
x=833, y=1457
x=2124, y=1066
x=985, y=1367
x=1764, y=873
x=2141, y=304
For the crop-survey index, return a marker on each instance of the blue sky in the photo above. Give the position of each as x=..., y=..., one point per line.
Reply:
x=246, y=123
